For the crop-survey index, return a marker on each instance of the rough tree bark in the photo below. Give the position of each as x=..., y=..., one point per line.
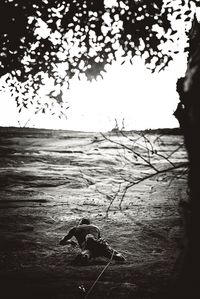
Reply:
x=188, y=114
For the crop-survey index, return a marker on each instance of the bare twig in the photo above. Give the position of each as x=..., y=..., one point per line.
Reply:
x=136, y=182
x=145, y=158
x=174, y=151
x=149, y=150
x=152, y=150
x=111, y=198
x=133, y=151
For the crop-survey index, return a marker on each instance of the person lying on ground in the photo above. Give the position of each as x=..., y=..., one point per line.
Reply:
x=90, y=242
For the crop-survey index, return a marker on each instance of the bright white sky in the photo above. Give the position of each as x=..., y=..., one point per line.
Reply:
x=131, y=92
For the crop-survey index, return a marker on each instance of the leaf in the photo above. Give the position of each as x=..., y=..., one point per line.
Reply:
x=187, y=12
x=178, y=17
x=187, y=19
x=174, y=32
x=186, y=49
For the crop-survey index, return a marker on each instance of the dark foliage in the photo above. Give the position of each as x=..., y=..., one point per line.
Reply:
x=81, y=36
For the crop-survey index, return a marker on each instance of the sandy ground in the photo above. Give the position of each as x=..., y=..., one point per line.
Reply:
x=50, y=179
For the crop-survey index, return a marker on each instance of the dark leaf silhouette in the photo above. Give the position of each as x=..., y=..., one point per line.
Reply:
x=85, y=36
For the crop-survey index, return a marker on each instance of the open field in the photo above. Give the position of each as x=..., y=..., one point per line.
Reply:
x=50, y=179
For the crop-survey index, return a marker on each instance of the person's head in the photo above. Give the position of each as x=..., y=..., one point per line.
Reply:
x=84, y=221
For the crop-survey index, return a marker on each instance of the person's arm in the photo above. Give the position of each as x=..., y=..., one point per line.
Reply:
x=66, y=240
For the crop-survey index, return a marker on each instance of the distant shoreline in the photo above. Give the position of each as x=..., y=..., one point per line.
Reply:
x=164, y=131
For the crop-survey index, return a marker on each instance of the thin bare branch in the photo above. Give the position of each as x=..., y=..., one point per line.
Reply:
x=152, y=150
x=131, y=150
x=174, y=151
x=136, y=182
x=149, y=150
x=111, y=198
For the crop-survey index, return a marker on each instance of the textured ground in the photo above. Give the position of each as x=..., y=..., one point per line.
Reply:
x=50, y=179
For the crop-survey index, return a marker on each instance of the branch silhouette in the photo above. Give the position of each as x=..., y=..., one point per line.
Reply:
x=145, y=158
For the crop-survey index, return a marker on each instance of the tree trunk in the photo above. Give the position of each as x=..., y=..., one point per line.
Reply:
x=188, y=114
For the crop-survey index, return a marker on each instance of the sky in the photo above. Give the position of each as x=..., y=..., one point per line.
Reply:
x=130, y=92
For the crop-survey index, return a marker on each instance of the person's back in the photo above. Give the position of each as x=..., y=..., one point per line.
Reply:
x=82, y=230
